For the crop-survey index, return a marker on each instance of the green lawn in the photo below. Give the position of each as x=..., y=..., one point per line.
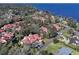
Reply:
x=75, y=52
x=65, y=33
x=54, y=48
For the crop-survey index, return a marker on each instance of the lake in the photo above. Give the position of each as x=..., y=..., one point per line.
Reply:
x=61, y=9
x=68, y=10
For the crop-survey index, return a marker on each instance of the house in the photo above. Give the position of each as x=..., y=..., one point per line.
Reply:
x=8, y=26
x=1, y=30
x=77, y=24
x=59, y=33
x=1, y=19
x=57, y=26
x=44, y=29
x=6, y=36
x=35, y=17
x=64, y=51
x=64, y=39
x=65, y=22
x=76, y=33
x=16, y=26
x=74, y=41
x=30, y=39
x=38, y=44
x=61, y=19
x=16, y=18
x=52, y=18
x=42, y=19
x=2, y=40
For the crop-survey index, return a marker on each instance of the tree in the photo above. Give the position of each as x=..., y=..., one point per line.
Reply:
x=72, y=23
x=44, y=52
x=34, y=29
x=56, y=41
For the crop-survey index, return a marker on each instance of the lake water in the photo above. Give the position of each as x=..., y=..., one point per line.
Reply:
x=65, y=9
x=68, y=10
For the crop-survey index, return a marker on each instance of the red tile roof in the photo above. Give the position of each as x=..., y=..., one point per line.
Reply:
x=1, y=30
x=42, y=19
x=1, y=19
x=6, y=36
x=8, y=26
x=44, y=29
x=16, y=18
x=57, y=27
x=2, y=40
x=31, y=38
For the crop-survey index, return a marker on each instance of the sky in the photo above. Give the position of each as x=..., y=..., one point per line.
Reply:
x=68, y=10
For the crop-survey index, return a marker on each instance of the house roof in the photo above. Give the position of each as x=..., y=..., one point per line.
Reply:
x=74, y=40
x=31, y=38
x=2, y=41
x=57, y=26
x=8, y=26
x=5, y=37
x=44, y=29
x=61, y=19
x=15, y=25
x=42, y=19
x=64, y=51
x=1, y=19
x=76, y=33
x=16, y=18
x=1, y=30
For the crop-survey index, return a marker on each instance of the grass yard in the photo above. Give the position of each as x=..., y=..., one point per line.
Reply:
x=75, y=52
x=54, y=48
x=65, y=33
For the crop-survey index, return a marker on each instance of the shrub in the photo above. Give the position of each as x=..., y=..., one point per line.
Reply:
x=5, y=22
x=71, y=23
x=44, y=52
x=56, y=41
x=34, y=28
